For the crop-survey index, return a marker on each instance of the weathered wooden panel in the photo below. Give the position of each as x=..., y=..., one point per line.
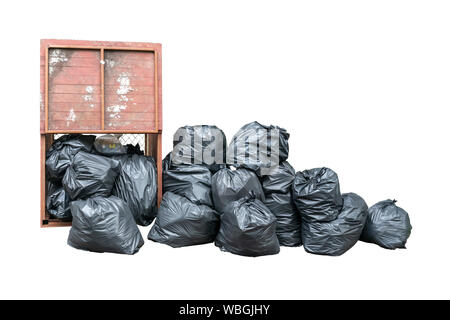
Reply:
x=129, y=90
x=68, y=69
x=74, y=71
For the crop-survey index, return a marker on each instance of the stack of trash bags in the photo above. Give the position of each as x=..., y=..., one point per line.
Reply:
x=246, y=198
x=186, y=215
x=105, y=188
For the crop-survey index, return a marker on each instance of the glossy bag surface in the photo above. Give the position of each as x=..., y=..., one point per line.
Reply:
x=248, y=228
x=317, y=194
x=338, y=236
x=102, y=224
x=90, y=175
x=137, y=185
x=231, y=185
x=387, y=225
x=181, y=223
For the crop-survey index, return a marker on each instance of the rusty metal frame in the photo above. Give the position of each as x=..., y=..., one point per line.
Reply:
x=102, y=50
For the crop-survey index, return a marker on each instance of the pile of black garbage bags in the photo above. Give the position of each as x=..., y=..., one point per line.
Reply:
x=105, y=188
x=212, y=192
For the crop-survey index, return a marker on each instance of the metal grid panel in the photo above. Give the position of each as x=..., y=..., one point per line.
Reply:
x=127, y=138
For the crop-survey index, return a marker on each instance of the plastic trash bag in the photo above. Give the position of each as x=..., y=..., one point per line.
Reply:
x=90, y=175
x=248, y=228
x=201, y=144
x=288, y=219
x=188, y=180
x=182, y=223
x=317, y=194
x=230, y=185
x=104, y=225
x=137, y=186
x=279, y=180
x=387, y=225
x=338, y=236
x=243, y=149
x=57, y=201
x=62, y=152
x=109, y=145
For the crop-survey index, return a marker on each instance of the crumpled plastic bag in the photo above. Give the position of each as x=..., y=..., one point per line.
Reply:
x=90, y=175
x=207, y=144
x=62, y=152
x=248, y=228
x=230, y=185
x=338, y=236
x=137, y=185
x=109, y=145
x=57, y=201
x=279, y=180
x=317, y=194
x=182, y=223
x=104, y=225
x=387, y=225
x=242, y=151
x=192, y=181
x=288, y=219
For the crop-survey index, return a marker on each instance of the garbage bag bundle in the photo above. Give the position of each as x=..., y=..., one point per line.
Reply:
x=247, y=228
x=288, y=219
x=317, y=194
x=201, y=144
x=104, y=225
x=338, y=236
x=254, y=144
x=57, y=201
x=231, y=185
x=279, y=180
x=387, y=225
x=109, y=145
x=189, y=180
x=137, y=186
x=90, y=175
x=62, y=152
x=182, y=223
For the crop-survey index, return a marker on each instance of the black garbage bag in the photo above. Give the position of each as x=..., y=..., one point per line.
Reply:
x=317, y=194
x=136, y=149
x=109, y=145
x=57, y=201
x=62, y=152
x=104, y=225
x=192, y=181
x=230, y=185
x=288, y=219
x=243, y=149
x=387, y=225
x=335, y=237
x=182, y=223
x=137, y=186
x=202, y=144
x=279, y=180
x=248, y=228
x=90, y=175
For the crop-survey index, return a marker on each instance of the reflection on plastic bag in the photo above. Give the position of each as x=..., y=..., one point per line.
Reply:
x=137, y=186
x=90, y=175
x=387, y=225
x=104, y=225
x=182, y=223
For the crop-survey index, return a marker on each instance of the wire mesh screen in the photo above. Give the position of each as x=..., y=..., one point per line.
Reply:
x=126, y=138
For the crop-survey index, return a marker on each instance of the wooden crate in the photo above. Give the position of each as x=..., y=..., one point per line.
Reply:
x=96, y=87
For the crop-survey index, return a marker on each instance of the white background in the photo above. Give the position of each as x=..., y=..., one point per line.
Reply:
x=362, y=86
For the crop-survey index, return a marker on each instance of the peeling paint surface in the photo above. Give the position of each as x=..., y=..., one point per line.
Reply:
x=55, y=58
x=115, y=110
x=71, y=117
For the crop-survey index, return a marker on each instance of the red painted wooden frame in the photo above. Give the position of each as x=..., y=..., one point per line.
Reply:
x=153, y=137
